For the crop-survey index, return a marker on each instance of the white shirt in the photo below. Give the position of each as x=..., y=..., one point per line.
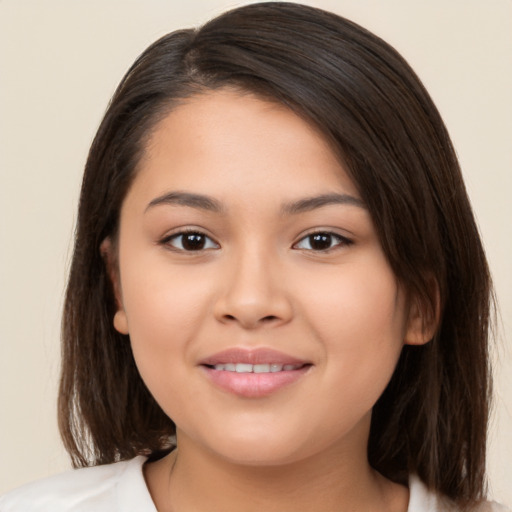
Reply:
x=121, y=487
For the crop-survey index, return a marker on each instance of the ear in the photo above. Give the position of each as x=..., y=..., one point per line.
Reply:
x=423, y=319
x=109, y=254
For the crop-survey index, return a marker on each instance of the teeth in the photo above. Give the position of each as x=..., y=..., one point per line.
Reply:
x=256, y=368
x=261, y=368
x=243, y=368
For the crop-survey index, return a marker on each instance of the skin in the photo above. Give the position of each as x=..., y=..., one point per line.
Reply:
x=258, y=282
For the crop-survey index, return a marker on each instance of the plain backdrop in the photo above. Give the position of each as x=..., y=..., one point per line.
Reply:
x=59, y=64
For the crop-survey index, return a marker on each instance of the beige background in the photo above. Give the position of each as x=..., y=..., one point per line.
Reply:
x=60, y=62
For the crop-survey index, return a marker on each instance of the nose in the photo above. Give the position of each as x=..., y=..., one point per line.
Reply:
x=253, y=293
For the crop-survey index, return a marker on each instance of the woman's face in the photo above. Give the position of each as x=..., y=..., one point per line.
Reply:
x=263, y=315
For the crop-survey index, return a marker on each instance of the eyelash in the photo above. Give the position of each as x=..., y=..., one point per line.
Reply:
x=167, y=241
x=341, y=241
x=208, y=243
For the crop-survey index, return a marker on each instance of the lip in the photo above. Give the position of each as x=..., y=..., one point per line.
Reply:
x=253, y=385
x=251, y=356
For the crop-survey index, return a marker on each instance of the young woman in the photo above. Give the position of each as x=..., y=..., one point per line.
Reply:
x=278, y=298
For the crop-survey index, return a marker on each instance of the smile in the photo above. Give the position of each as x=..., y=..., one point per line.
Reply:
x=256, y=368
x=253, y=373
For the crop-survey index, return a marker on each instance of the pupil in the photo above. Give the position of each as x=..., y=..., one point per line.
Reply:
x=321, y=241
x=193, y=242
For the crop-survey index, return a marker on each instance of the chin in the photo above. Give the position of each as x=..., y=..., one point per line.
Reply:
x=266, y=447
x=261, y=456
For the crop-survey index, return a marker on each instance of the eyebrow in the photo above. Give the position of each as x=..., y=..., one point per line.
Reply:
x=198, y=201
x=203, y=202
x=312, y=203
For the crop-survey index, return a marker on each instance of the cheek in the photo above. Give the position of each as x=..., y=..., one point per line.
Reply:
x=164, y=310
x=359, y=317
x=360, y=298
x=158, y=295
x=159, y=310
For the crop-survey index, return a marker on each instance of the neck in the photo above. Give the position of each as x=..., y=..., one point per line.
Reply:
x=195, y=480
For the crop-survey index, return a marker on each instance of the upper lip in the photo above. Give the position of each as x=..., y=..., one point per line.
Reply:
x=251, y=356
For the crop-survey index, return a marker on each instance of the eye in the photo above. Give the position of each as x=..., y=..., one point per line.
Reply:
x=190, y=241
x=321, y=241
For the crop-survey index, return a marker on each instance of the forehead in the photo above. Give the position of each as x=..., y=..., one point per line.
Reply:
x=226, y=140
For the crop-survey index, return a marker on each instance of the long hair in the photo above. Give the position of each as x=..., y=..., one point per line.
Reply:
x=374, y=111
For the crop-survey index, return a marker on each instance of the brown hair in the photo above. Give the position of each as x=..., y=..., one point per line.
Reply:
x=359, y=91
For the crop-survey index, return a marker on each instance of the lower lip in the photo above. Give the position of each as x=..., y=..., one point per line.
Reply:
x=254, y=385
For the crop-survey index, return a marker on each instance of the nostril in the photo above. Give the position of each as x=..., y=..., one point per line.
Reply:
x=264, y=320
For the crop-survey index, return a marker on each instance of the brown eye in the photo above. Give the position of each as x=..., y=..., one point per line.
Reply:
x=193, y=242
x=190, y=241
x=322, y=241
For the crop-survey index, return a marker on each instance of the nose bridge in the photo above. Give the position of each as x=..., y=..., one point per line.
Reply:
x=254, y=294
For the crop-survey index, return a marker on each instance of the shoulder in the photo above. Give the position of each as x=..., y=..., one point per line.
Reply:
x=98, y=489
x=491, y=506
x=423, y=500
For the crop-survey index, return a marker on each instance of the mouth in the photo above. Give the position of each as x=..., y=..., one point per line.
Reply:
x=253, y=373
x=255, y=368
